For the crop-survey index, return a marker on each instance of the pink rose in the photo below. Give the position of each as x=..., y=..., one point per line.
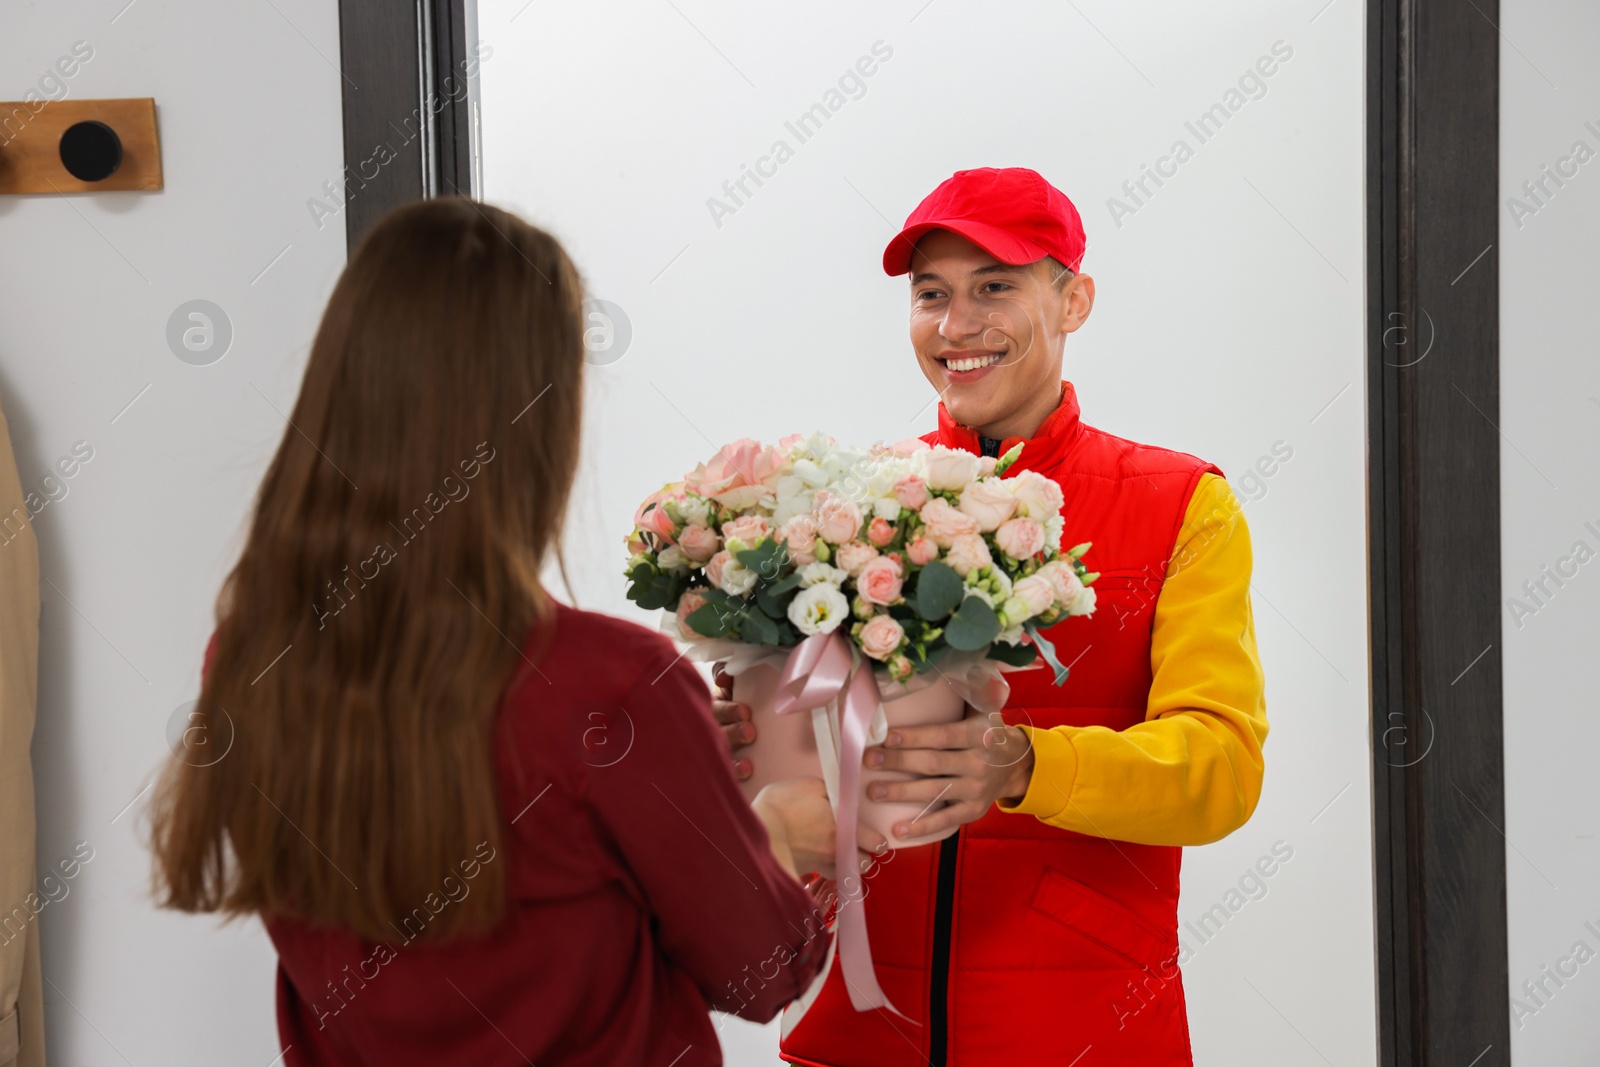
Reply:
x=989, y=503
x=687, y=603
x=879, y=581
x=1036, y=592
x=942, y=522
x=739, y=475
x=699, y=543
x=714, y=567
x=968, y=552
x=880, y=531
x=747, y=528
x=986, y=466
x=951, y=469
x=1020, y=538
x=799, y=536
x=854, y=555
x=838, y=518
x=1064, y=582
x=881, y=636
x=909, y=446
x=911, y=492
x=922, y=551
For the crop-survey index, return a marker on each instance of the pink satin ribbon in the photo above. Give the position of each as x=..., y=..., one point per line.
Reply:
x=821, y=668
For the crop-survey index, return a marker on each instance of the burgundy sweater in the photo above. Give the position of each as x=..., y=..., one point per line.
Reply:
x=641, y=888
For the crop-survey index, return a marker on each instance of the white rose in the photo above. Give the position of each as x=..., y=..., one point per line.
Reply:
x=1036, y=593
x=1037, y=496
x=695, y=510
x=820, y=573
x=819, y=609
x=736, y=578
x=672, y=559
x=1063, y=581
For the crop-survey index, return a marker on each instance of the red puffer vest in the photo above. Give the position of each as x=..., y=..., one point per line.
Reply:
x=1014, y=943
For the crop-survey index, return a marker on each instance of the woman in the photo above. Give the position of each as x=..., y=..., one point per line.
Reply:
x=481, y=826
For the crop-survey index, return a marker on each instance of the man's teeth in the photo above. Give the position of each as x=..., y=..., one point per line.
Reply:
x=974, y=363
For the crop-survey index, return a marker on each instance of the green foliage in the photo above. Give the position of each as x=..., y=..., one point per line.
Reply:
x=1015, y=655
x=939, y=591
x=652, y=588
x=973, y=625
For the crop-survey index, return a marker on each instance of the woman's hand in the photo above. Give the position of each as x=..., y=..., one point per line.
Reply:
x=735, y=721
x=800, y=822
x=797, y=810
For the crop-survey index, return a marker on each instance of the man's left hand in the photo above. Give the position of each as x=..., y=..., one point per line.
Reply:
x=971, y=764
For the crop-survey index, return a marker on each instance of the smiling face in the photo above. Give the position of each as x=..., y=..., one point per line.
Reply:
x=989, y=335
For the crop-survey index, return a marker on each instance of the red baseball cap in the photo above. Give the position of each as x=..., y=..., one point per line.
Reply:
x=1011, y=213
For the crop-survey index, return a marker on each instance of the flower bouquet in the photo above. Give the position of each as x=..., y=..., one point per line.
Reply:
x=922, y=562
x=867, y=587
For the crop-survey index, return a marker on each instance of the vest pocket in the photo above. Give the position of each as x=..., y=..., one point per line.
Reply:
x=1101, y=919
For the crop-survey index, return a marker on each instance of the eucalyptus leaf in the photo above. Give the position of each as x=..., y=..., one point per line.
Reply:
x=757, y=627
x=710, y=620
x=939, y=591
x=1015, y=655
x=973, y=626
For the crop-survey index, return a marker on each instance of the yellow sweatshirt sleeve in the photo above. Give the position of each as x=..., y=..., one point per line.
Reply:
x=1191, y=772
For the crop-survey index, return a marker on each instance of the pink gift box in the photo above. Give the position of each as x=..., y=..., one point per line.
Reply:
x=786, y=745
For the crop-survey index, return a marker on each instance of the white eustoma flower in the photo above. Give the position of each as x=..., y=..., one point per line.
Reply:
x=810, y=473
x=672, y=559
x=794, y=497
x=819, y=609
x=820, y=573
x=1083, y=603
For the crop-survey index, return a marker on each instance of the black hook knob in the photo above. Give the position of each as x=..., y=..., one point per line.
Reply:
x=91, y=151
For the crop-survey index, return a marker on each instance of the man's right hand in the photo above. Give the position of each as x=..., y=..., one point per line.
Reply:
x=735, y=720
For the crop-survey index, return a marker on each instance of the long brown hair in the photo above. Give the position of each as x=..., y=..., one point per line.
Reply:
x=387, y=585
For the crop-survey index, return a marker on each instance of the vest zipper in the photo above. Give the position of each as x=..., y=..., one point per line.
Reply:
x=944, y=901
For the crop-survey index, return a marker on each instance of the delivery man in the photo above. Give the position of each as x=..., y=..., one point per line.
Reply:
x=1045, y=930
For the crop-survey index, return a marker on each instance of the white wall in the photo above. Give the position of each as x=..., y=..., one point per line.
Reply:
x=1229, y=319
x=248, y=108
x=1550, y=502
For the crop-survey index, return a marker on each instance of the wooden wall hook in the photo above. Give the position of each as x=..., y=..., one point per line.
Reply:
x=30, y=144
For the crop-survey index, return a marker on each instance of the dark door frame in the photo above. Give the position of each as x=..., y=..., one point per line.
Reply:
x=409, y=128
x=1433, y=397
x=1432, y=348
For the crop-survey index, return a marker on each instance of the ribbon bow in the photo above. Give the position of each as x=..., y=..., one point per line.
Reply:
x=821, y=669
